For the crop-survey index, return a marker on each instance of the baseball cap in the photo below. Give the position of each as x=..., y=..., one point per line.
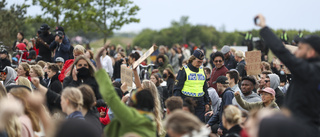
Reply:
x=222, y=80
x=268, y=90
x=313, y=41
x=225, y=49
x=198, y=54
x=59, y=59
x=44, y=27
x=59, y=33
x=59, y=28
x=3, y=51
x=250, y=79
x=21, y=46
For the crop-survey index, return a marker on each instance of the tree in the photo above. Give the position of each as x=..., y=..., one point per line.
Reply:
x=102, y=16
x=110, y=15
x=11, y=21
x=183, y=27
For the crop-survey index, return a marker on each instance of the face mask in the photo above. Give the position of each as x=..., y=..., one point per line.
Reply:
x=282, y=72
x=83, y=73
x=160, y=64
x=164, y=75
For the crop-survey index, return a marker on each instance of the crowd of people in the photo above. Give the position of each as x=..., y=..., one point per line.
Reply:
x=69, y=91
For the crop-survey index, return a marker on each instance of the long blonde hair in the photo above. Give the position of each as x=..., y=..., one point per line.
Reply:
x=232, y=114
x=147, y=84
x=3, y=91
x=22, y=93
x=12, y=124
x=38, y=70
x=24, y=81
x=183, y=123
x=74, y=96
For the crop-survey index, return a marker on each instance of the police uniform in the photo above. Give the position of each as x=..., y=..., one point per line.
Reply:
x=190, y=82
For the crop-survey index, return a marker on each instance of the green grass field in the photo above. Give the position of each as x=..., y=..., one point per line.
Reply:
x=123, y=41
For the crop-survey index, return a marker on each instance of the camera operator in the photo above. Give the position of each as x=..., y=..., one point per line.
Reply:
x=60, y=45
x=42, y=43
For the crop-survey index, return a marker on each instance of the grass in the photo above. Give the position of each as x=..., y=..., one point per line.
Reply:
x=123, y=41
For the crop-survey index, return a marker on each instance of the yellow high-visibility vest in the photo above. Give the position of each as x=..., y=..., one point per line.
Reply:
x=193, y=86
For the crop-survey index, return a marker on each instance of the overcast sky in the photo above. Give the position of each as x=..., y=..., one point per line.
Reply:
x=233, y=14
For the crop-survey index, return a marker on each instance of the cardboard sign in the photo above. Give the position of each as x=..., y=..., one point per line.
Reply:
x=253, y=62
x=126, y=75
x=144, y=56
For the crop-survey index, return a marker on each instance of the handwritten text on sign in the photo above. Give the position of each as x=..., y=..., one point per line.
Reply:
x=253, y=62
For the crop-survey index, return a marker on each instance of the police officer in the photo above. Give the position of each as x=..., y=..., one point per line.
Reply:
x=190, y=82
x=284, y=37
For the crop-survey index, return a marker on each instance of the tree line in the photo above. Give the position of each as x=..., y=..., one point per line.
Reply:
x=92, y=18
x=182, y=32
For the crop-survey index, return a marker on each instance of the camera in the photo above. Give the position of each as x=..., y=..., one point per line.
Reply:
x=39, y=32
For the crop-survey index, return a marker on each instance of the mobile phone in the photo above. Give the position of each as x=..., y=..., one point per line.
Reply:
x=256, y=20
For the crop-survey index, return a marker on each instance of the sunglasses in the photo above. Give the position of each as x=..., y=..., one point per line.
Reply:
x=3, y=73
x=217, y=61
x=267, y=81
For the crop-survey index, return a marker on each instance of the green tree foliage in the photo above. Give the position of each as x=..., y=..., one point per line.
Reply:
x=182, y=32
x=110, y=15
x=11, y=21
x=101, y=16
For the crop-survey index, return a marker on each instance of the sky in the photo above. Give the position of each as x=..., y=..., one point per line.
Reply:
x=228, y=14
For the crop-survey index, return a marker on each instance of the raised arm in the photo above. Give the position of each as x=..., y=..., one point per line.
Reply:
x=244, y=104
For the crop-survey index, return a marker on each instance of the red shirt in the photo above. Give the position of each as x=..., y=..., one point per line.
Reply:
x=215, y=74
x=29, y=78
x=65, y=69
x=104, y=120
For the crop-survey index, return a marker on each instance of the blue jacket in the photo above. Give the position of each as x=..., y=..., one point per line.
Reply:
x=227, y=97
x=75, y=115
x=62, y=50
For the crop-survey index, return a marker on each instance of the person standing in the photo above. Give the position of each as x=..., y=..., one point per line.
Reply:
x=43, y=42
x=107, y=62
x=190, y=82
x=239, y=57
x=302, y=97
x=284, y=37
x=60, y=45
x=20, y=39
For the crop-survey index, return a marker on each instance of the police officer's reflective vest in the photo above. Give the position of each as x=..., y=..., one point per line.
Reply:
x=284, y=37
x=248, y=36
x=193, y=86
x=300, y=35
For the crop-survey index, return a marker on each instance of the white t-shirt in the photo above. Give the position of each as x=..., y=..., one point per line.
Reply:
x=107, y=64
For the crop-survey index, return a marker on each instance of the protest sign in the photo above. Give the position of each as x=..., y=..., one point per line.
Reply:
x=253, y=62
x=126, y=75
x=144, y=56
